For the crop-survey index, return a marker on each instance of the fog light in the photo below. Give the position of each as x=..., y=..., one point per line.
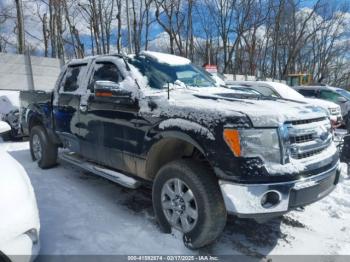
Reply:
x=270, y=199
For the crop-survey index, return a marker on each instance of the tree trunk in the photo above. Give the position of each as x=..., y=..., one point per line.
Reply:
x=20, y=27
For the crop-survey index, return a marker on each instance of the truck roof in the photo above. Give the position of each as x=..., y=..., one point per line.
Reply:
x=87, y=59
x=162, y=58
x=317, y=87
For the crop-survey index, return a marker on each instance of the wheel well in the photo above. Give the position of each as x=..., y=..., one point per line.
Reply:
x=169, y=149
x=35, y=121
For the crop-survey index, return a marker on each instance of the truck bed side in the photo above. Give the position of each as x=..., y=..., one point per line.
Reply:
x=35, y=106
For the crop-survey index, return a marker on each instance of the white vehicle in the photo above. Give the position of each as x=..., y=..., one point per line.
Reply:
x=276, y=89
x=19, y=219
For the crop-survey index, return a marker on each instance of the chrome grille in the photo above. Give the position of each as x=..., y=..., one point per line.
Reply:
x=301, y=139
x=308, y=154
x=306, y=121
x=308, y=137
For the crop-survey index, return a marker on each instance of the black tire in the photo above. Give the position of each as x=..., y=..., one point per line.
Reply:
x=48, y=148
x=210, y=205
x=4, y=258
x=6, y=136
x=11, y=136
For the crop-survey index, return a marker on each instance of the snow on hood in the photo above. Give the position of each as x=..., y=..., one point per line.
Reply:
x=206, y=104
x=14, y=182
x=322, y=103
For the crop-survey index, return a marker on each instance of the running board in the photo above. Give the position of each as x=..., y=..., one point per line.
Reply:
x=112, y=175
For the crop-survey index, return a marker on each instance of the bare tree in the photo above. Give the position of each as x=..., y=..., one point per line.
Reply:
x=170, y=17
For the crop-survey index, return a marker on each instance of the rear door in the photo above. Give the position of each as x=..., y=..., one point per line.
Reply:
x=66, y=106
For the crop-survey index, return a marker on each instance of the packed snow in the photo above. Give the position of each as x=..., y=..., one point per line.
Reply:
x=168, y=59
x=84, y=214
x=9, y=100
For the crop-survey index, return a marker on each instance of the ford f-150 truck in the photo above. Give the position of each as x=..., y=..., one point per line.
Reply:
x=157, y=119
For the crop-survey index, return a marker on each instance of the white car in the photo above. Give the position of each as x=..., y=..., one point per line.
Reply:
x=19, y=216
x=281, y=90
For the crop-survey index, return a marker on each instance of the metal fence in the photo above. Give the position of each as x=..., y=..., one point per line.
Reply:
x=24, y=72
x=250, y=78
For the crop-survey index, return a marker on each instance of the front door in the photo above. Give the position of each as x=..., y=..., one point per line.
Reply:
x=101, y=123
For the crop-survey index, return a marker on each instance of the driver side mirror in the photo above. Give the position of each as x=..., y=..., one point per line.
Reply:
x=341, y=99
x=4, y=127
x=105, y=88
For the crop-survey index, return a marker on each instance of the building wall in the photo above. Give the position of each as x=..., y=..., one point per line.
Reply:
x=17, y=74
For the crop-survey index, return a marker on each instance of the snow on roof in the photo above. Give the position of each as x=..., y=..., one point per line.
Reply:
x=166, y=58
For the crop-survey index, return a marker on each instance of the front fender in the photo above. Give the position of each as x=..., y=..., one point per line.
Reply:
x=182, y=136
x=193, y=133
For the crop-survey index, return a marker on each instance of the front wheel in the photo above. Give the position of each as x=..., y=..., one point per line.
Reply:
x=186, y=196
x=41, y=148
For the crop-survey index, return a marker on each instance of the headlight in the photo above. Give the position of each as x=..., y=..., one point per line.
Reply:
x=263, y=143
x=334, y=110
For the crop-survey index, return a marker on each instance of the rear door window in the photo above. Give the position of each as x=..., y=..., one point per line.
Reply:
x=106, y=71
x=70, y=82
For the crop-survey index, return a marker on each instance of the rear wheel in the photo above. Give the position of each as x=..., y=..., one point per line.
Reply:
x=41, y=148
x=186, y=196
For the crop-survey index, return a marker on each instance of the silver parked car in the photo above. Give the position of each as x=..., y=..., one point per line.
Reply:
x=332, y=94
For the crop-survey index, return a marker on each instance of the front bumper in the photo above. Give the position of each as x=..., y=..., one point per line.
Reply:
x=245, y=200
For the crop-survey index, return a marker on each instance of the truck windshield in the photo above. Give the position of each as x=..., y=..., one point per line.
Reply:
x=344, y=93
x=159, y=74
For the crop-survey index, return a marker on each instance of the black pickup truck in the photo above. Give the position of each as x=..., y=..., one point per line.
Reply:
x=206, y=150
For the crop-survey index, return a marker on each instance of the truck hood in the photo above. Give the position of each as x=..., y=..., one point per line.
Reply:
x=322, y=103
x=210, y=104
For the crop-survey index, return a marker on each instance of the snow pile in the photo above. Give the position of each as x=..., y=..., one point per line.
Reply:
x=71, y=226
x=9, y=100
x=17, y=200
x=4, y=127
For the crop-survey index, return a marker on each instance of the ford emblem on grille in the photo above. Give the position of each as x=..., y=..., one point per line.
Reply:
x=322, y=133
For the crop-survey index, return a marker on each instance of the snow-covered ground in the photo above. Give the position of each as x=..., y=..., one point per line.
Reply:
x=84, y=214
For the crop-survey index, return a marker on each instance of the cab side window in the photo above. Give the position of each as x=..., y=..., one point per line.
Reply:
x=106, y=71
x=265, y=91
x=308, y=92
x=71, y=80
